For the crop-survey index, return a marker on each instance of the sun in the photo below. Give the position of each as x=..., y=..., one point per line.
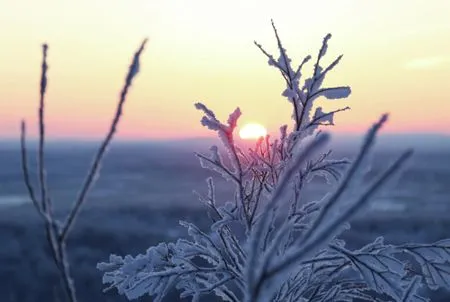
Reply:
x=252, y=131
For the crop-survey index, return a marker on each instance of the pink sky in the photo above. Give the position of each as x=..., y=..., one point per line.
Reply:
x=396, y=59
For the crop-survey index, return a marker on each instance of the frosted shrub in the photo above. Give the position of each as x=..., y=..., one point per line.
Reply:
x=290, y=248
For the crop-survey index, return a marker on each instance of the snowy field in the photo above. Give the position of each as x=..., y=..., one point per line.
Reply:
x=143, y=191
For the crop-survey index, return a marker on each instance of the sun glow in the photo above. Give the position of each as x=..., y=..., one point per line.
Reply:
x=252, y=131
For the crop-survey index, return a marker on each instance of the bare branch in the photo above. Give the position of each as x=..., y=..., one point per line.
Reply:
x=132, y=72
x=55, y=233
x=25, y=171
x=41, y=162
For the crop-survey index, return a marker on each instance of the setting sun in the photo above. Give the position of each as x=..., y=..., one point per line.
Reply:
x=252, y=131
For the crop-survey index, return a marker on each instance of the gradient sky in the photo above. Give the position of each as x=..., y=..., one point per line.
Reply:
x=396, y=59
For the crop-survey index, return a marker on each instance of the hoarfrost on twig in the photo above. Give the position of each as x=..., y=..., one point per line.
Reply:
x=291, y=249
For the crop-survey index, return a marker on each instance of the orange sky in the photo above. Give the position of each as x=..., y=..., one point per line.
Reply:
x=396, y=59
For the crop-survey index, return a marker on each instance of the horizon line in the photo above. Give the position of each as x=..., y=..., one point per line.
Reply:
x=206, y=138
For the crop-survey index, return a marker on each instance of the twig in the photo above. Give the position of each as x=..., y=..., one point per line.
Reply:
x=25, y=171
x=41, y=163
x=55, y=232
x=133, y=70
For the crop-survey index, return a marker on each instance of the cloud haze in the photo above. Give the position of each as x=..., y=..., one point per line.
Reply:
x=428, y=63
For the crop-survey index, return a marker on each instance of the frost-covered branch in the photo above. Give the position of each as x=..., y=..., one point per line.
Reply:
x=303, y=96
x=266, y=242
x=132, y=72
x=57, y=231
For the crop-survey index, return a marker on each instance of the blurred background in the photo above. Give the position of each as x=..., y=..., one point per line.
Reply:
x=146, y=188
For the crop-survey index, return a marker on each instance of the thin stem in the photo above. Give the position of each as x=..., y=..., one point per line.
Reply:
x=41, y=163
x=133, y=70
x=318, y=118
x=56, y=234
x=65, y=271
x=26, y=172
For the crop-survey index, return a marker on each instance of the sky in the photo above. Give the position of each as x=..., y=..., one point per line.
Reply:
x=396, y=59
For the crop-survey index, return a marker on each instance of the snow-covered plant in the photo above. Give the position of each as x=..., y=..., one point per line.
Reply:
x=267, y=243
x=56, y=230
